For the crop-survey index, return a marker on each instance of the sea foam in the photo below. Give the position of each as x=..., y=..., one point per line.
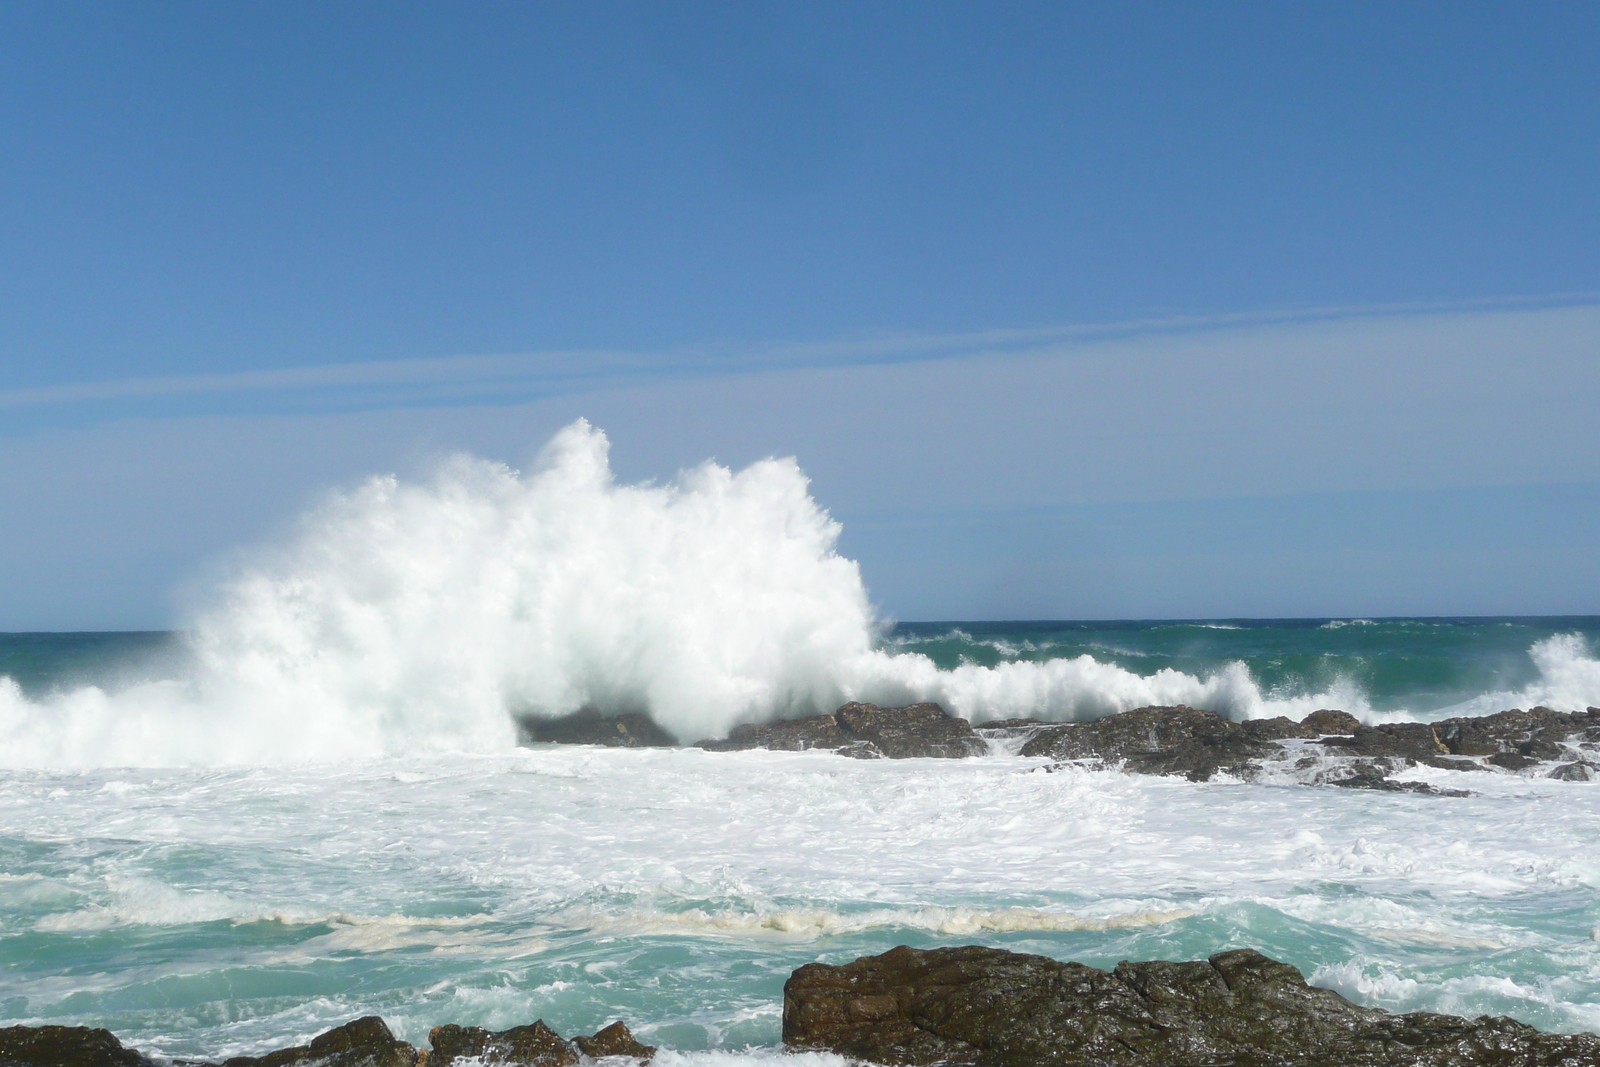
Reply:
x=406, y=616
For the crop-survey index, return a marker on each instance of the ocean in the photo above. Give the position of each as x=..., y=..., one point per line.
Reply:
x=309, y=804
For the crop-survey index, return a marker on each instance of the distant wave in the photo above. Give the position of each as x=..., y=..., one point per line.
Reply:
x=403, y=617
x=1569, y=680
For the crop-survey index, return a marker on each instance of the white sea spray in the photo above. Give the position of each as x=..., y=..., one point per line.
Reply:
x=424, y=616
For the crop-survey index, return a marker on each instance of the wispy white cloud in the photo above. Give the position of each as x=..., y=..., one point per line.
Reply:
x=993, y=463
x=512, y=377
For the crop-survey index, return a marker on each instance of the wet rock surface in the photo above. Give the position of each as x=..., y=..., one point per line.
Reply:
x=64, y=1046
x=1539, y=734
x=1325, y=748
x=614, y=1040
x=366, y=1042
x=914, y=730
x=535, y=1045
x=785, y=735
x=1159, y=740
x=865, y=731
x=1374, y=774
x=588, y=726
x=985, y=1006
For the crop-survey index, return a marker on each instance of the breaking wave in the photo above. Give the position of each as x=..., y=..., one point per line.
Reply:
x=425, y=616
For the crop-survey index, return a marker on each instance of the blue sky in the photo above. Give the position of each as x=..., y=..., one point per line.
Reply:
x=1070, y=310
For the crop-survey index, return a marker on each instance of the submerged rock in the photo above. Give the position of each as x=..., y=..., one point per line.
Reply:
x=535, y=1045
x=784, y=735
x=1374, y=774
x=64, y=1046
x=587, y=726
x=985, y=1006
x=614, y=1040
x=366, y=1042
x=1577, y=771
x=865, y=731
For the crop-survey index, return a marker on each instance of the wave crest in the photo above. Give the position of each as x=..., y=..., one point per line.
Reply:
x=402, y=616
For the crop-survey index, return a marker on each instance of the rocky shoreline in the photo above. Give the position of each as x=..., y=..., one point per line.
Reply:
x=971, y=1006
x=1325, y=748
x=988, y=1007
x=365, y=1042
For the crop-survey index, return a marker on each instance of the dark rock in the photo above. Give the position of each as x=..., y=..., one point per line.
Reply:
x=1331, y=722
x=367, y=1042
x=587, y=726
x=865, y=731
x=1579, y=771
x=1277, y=729
x=914, y=730
x=785, y=735
x=1536, y=733
x=1200, y=744
x=1408, y=740
x=1374, y=774
x=527, y=1046
x=985, y=1006
x=64, y=1046
x=614, y=1040
x=1157, y=740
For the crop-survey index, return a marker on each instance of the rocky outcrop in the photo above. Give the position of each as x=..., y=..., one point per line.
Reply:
x=532, y=1046
x=64, y=1046
x=985, y=1006
x=614, y=1040
x=587, y=726
x=1330, y=722
x=367, y=1042
x=1325, y=748
x=914, y=730
x=1537, y=735
x=1158, y=740
x=865, y=731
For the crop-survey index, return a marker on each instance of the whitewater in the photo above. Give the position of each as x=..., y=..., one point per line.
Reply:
x=425, y=617
x=310, y=805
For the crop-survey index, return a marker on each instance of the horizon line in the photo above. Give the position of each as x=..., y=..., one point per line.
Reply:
x=1157, y=620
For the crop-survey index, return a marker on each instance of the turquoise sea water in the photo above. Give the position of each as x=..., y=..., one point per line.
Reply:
x=1423, y=666
x=1416, y=664
x=230, y=905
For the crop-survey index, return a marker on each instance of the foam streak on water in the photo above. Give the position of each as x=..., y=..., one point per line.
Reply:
x=225, y=911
